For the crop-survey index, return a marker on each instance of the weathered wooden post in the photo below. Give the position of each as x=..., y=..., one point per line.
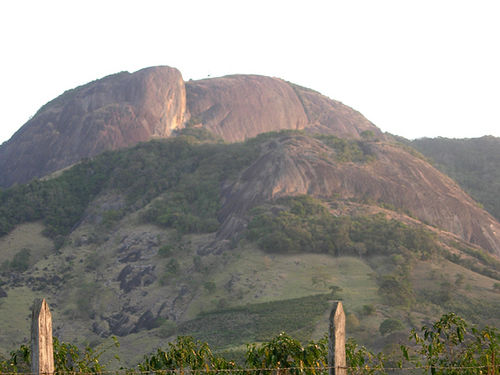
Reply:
x=336, y=344
x=42, y=352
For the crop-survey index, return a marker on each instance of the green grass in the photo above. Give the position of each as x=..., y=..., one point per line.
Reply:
x=258, y=322
x=25, y=236
x=16, y=329
x=257, y=277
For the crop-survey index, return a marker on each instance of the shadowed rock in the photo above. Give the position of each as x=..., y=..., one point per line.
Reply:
x=114, y=112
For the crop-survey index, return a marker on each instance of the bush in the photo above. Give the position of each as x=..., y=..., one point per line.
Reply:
x=165, y=251
x=449, y=344
x=167, y=328
x=209, y=286
x=185, y=353
x=347, y=150
x=390, y=325
x=21, y=261
x=496, y=287
x=368, y=309
x=395, y=290
x=352, y=322
x=68, y=358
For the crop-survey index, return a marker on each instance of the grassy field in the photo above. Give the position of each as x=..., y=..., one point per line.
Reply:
x=234, y=297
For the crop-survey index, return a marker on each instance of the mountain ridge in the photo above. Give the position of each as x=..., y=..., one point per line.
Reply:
x=125, y=108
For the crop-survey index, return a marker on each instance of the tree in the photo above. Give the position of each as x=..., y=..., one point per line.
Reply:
x=390, y=325
x=449, y=345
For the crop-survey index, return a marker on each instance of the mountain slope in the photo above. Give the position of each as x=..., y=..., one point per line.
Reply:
x=197, y=232
x=390, y=176
x=146, y=253
x=473, y=163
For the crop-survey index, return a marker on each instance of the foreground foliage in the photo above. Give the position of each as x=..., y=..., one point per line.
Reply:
x=448, y=346
x=68, y=358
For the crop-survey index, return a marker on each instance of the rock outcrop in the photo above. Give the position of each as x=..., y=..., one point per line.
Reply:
x=114, y=112
x=328, y=116
x=294, y=165
x=242, y=106
x=123, y=109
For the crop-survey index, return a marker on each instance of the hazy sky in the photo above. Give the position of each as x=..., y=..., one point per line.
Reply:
x=414, y=68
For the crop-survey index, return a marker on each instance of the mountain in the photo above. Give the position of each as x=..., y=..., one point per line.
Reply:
x=247, y=216
x=123, y=109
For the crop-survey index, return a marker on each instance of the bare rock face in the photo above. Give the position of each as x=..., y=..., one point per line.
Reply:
x=123, y=109
x=242, y=106
x=114, y=112
x=295, y=165
x=328, y=116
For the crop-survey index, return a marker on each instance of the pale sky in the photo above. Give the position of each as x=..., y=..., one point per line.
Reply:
x=414, y=68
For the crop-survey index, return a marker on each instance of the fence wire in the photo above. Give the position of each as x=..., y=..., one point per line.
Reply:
x=484, y=370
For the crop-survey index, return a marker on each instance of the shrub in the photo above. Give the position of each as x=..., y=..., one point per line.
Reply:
x=209, y=286
x=352, y=322
x=165, y=251
x=167, y=328
x=21, y=261
x=368, y=309
x=496, y=287
x=390, y=325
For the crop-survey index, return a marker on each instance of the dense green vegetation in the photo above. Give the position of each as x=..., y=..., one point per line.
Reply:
x=473, y=163
x=19, y=263
x=177, y=183
x=191, y=204
x=187, y=172
x=304, y=224
x=348, y=150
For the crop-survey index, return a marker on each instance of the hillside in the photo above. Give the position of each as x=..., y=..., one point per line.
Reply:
x=230, y=209
x=233, y=243
x=474, y=163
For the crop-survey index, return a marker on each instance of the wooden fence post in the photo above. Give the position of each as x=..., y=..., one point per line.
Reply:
x=336, y=343
x=42, y=352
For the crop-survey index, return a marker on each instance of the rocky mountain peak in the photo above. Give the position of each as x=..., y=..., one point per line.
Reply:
x=111, y=113
x=123, y=109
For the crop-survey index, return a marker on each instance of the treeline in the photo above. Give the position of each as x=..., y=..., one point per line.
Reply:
x=187, y=171
x=448, y=346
